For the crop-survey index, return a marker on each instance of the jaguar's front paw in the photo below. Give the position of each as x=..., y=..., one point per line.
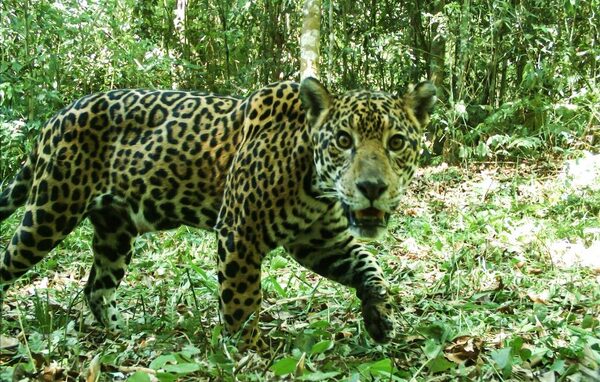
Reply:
x=251, y=339
x=113, y=321
x=379, y=321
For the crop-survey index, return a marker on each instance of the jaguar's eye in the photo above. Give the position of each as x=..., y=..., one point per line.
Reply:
x=344, y=140
x=396, y=142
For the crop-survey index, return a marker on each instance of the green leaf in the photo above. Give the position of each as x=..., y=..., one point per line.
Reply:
x=190, y=351
x=16, y=66
x=139, y=376
x=166, y=377
x=383, y=366
x=439, y=364
x=558, y=366
x=524, y=354
x=182, y=368
x=160, y=361
x=438, y=331
x=318, y=376
x=322, y=324
x=219, y=358
x=588, y=321
x=321, y=346
x=432, y=349
x=272, y=281
x=215, y=335
x=284, y=366
x=279, y=262
x=516, y=344
x=503, y=358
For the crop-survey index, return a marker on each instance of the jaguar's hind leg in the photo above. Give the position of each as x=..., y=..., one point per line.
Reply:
x=16, y=193
x=114, y=234
x=41, y=229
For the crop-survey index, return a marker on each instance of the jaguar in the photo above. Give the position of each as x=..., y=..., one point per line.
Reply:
x=291, y=165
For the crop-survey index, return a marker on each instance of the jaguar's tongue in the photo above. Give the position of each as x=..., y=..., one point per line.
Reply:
x=368, y=222
x=371, y=214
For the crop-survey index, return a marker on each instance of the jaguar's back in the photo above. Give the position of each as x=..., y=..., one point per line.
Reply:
x=130, y=160
x=138, y=147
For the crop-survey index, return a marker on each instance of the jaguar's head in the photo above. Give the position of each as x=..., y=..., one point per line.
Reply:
x=366, y=146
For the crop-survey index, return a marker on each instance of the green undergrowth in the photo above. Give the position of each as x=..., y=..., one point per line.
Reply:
x=494, y=270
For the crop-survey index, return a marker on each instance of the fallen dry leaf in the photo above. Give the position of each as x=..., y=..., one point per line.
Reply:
x=300, y=365
x=94, y=370
x=52, y=373
x=343, y=335
x=8, y=342
x=463, y=349
x=547, y=377
x=541, y=298
x=498, y=339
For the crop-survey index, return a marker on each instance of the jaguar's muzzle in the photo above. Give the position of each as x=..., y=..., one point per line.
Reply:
x=368, y=222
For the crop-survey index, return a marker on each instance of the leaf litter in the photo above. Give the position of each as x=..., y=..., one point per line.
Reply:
x=494, y=269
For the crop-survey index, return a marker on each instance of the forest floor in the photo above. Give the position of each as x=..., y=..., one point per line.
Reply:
x=495, y=268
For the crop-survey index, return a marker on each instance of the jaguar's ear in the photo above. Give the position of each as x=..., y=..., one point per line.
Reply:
x=421, y=99
x=316, y=100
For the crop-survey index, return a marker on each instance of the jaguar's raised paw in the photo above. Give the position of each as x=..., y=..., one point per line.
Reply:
x=252, y=340
x=378, y=321
x=113, y=321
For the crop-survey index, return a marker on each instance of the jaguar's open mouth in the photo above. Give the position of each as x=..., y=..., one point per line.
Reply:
x=368, y=222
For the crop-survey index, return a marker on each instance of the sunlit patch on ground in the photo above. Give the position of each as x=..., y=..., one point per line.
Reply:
x=580, y=176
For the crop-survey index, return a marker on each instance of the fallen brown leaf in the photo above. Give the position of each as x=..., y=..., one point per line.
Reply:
x=541, y=298
x=94, y=370
x=463, y=349
x=8, y=342
x=342, y=335
x=300, y=365
x=535, y=271
x=52, y=373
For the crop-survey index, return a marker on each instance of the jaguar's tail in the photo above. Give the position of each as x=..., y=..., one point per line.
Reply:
x=17, y=192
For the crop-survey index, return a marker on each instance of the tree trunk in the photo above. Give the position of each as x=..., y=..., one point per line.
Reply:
x=437, y=55
x=418, y=40
x=330, y=69
x=179, y=24
x=223, y=14
x=309, y=40
x=503, y=81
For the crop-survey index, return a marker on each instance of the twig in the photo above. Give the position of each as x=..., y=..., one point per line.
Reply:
x=272, y=360
x=187, y=272
x=31, y=362
x=133, y=369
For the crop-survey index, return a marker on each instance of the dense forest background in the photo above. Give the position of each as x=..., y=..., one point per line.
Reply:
x=516, y=77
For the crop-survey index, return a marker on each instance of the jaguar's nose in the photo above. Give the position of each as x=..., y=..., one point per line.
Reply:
x=372, y=190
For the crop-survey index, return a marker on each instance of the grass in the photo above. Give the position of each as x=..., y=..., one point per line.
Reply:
x=481, y=263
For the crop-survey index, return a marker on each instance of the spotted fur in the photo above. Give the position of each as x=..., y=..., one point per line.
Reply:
x=291, y=166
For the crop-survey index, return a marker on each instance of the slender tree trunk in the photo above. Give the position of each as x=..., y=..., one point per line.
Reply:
x=462, y=59
x=418, y=39
x=503, y=81
x=345, y=60
x=438, y=49
x=309, y=40
x=179, y=24
x=223, y=13
x=330, y=68
x=437, y=55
